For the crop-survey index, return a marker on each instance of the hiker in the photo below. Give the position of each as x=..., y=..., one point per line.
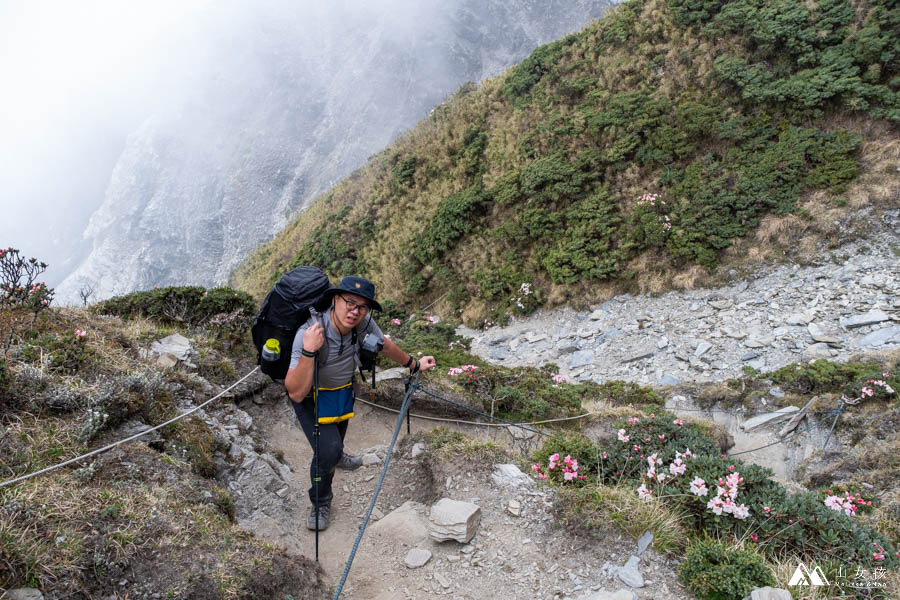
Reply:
x=350, y=305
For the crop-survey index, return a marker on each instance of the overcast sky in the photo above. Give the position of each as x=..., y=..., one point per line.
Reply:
x=77, y=77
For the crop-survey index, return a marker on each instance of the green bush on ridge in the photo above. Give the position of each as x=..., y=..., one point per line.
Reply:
x=186, y=305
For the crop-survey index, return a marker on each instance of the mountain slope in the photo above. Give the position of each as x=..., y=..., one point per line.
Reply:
x=292, y=102
x=666, y=139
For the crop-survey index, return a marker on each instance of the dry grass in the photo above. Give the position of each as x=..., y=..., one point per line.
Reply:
x=597, y=506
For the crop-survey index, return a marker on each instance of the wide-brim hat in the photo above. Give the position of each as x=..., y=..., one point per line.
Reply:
x=359, y=286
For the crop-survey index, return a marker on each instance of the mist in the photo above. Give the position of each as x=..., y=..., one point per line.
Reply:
x=122, y=121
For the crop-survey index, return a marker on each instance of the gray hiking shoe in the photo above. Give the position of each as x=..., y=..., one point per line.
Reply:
x=324, y=514
x=349, y=462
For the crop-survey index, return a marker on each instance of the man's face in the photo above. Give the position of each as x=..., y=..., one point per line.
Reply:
x=350, y=309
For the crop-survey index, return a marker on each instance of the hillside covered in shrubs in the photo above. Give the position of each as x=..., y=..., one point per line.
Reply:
x=669, y=138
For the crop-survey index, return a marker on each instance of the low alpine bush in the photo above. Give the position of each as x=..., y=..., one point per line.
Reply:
x=715, y=572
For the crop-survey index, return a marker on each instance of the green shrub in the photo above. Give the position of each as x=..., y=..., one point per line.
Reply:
x=527, y=73
x=715, y=572
x=188, y=306
x=4, y=374
x=456, y=216
x=823, y=375
x=63, y=354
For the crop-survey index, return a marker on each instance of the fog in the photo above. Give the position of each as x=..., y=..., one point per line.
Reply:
x=83, y=81
x=77, y=78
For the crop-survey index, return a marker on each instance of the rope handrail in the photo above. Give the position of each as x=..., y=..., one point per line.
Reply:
x=128, y=439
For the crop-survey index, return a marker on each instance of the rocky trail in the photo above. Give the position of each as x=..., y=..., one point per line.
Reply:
x=517, y=548
x=787, y=313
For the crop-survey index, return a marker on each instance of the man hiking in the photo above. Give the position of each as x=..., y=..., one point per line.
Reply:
x=332, y=337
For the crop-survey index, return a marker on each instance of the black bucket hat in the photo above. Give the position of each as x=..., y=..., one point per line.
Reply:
x=352, y=284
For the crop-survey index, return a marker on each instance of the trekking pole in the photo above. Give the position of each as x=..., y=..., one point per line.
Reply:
x=408, y=381
x=316, y=478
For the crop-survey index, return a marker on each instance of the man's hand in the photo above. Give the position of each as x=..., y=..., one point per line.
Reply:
x=313, y=338
x=427, y=363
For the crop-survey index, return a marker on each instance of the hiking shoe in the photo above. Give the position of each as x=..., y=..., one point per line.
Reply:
x=324, y=513
x=349, y=462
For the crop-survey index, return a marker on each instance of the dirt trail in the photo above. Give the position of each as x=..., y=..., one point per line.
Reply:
x=524, y=557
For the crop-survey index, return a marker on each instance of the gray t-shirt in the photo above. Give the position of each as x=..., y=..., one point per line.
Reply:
x=343, y=356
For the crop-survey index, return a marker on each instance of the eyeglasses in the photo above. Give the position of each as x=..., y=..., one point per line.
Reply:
x=351, y=306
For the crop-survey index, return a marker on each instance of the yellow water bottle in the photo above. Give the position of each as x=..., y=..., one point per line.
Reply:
x=271, y=351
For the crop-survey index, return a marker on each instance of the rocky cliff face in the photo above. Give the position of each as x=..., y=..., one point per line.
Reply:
x=286, y=109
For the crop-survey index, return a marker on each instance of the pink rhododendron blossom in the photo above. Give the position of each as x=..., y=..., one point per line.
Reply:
x=698, y=487
x=678, y=422
x=396, y=321
x=633, y=420
x=622, y=436
x=644, y=494
x=677, y=467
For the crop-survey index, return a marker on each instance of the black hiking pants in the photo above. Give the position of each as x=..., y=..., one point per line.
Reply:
x=331, y=446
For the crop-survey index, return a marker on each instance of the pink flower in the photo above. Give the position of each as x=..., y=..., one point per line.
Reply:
x=79, y=333
x=622, y=436
x=678, y=422
x=604, y=455
x=767, y=509
x=633, y=420
x=677, y=467
x=396, y=321
x=698, y=487
x=754, y=537
x=662, y=436
x=644, y=494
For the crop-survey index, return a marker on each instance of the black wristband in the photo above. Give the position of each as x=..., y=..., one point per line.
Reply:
x=415, y=369
x=409, y=362
x=309, y=354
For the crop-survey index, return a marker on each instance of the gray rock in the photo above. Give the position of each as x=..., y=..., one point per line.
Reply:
x=754, y=343
x=441, y=579
x=388, y=374
x=418, y=450
x=669, y=380
x=520, y=433
x=702, y=348
x=662, y=343
x=176, y=344
x=870, y=318
x=514, y=507
x=772, y=417
x=167, y=361
x=604, y=595
x=630, y=573
x=610, y=334
x=453, y=520
x=818, y=350
x=720, y=304
x=798, y=319
x=879, y=337
x=644, y=542
x=416, y=558
x=818, y=334
x=639, y=355
x=499, y=354
x=370, y=459
x=776, y=392
x=582, y=358
x=24, y=594
x=598, y=314
x=736, y=334
x=405, y=524
x=567, y=346
x=509, y=475
x=768, y=593
x=749, y=356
